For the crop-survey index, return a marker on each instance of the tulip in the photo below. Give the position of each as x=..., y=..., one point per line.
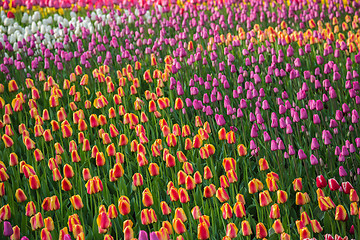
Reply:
x=274, y=211
x=261, y=231
x=300, y=199
x=124, y=206
x=179, y=226
x=166, y=210
x=333, y=184
x=321, y=181
x=340, y=213
x=147, y=198
x=316, y=227
x=278, y=227
x=245, y=228
x=34, y=182
x=203, y=231
x=36, y=222
x=8, y=230
x=49, y=224
x=241, y=150
x=231, y=230
x=20, y=195
x=76, y=202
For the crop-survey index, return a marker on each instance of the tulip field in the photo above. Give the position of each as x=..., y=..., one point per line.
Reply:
x=180, y=119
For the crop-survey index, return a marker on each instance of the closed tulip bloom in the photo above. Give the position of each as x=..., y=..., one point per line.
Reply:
x=7, y=141
x=203, y=231
x=354, y=209
x=49, y=224
x=147, y=198
x=245, y=228
x=188, y=168
x=196, y=213
x=324, y=204
x=300, y=198
x=86, y=174
x=118, y=170
x=285, y=236
x=8, y=230
x=224, y=181
x=304, y=233
x=34, y=182
x=143, y=235
x=183, y=195
x=190, y=183
x=242, y=151
x=333, y=184
x=264, y=198
x=20, y=195
x=76, y=202
x=261, y=231
x=297, y=184
x=179, y=213
x=66, y=185
x=231, y=230
x=100, y=159
x=103, y=221
x=179, y=226
x=16, y=233
x=272, y=185
x=207, y=173
x=166, y=227
x=239, y=210
x=197, y=141
x=208, y=193
x=229, y=163
x=124, y=206
x=2, y=189
x=263, y=164
x=305, y=219
x=340, y=213
x=30, y=209
x=128, y=233
x=321, y=181
x=170, y=161
x=138, y=180
x=226, y=211
x=231, y=175
x=68, y=171
x=45, y=234
x=166, y=210
x=278, y=227
x=222, y=195
x=36, y=221
x=353, y=196
x=252, y=186
x=274, y=211
x=316, y=227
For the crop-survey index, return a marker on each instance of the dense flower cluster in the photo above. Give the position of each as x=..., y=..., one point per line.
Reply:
x=179, y=119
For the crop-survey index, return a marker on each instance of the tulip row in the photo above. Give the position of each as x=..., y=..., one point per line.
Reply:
x=217, y=120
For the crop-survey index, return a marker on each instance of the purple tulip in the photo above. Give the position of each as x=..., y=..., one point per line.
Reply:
x=143, y=235
x=342, y=171
x=220, y=120
x=313, y=160
x=8, y=231
x=301, y=154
